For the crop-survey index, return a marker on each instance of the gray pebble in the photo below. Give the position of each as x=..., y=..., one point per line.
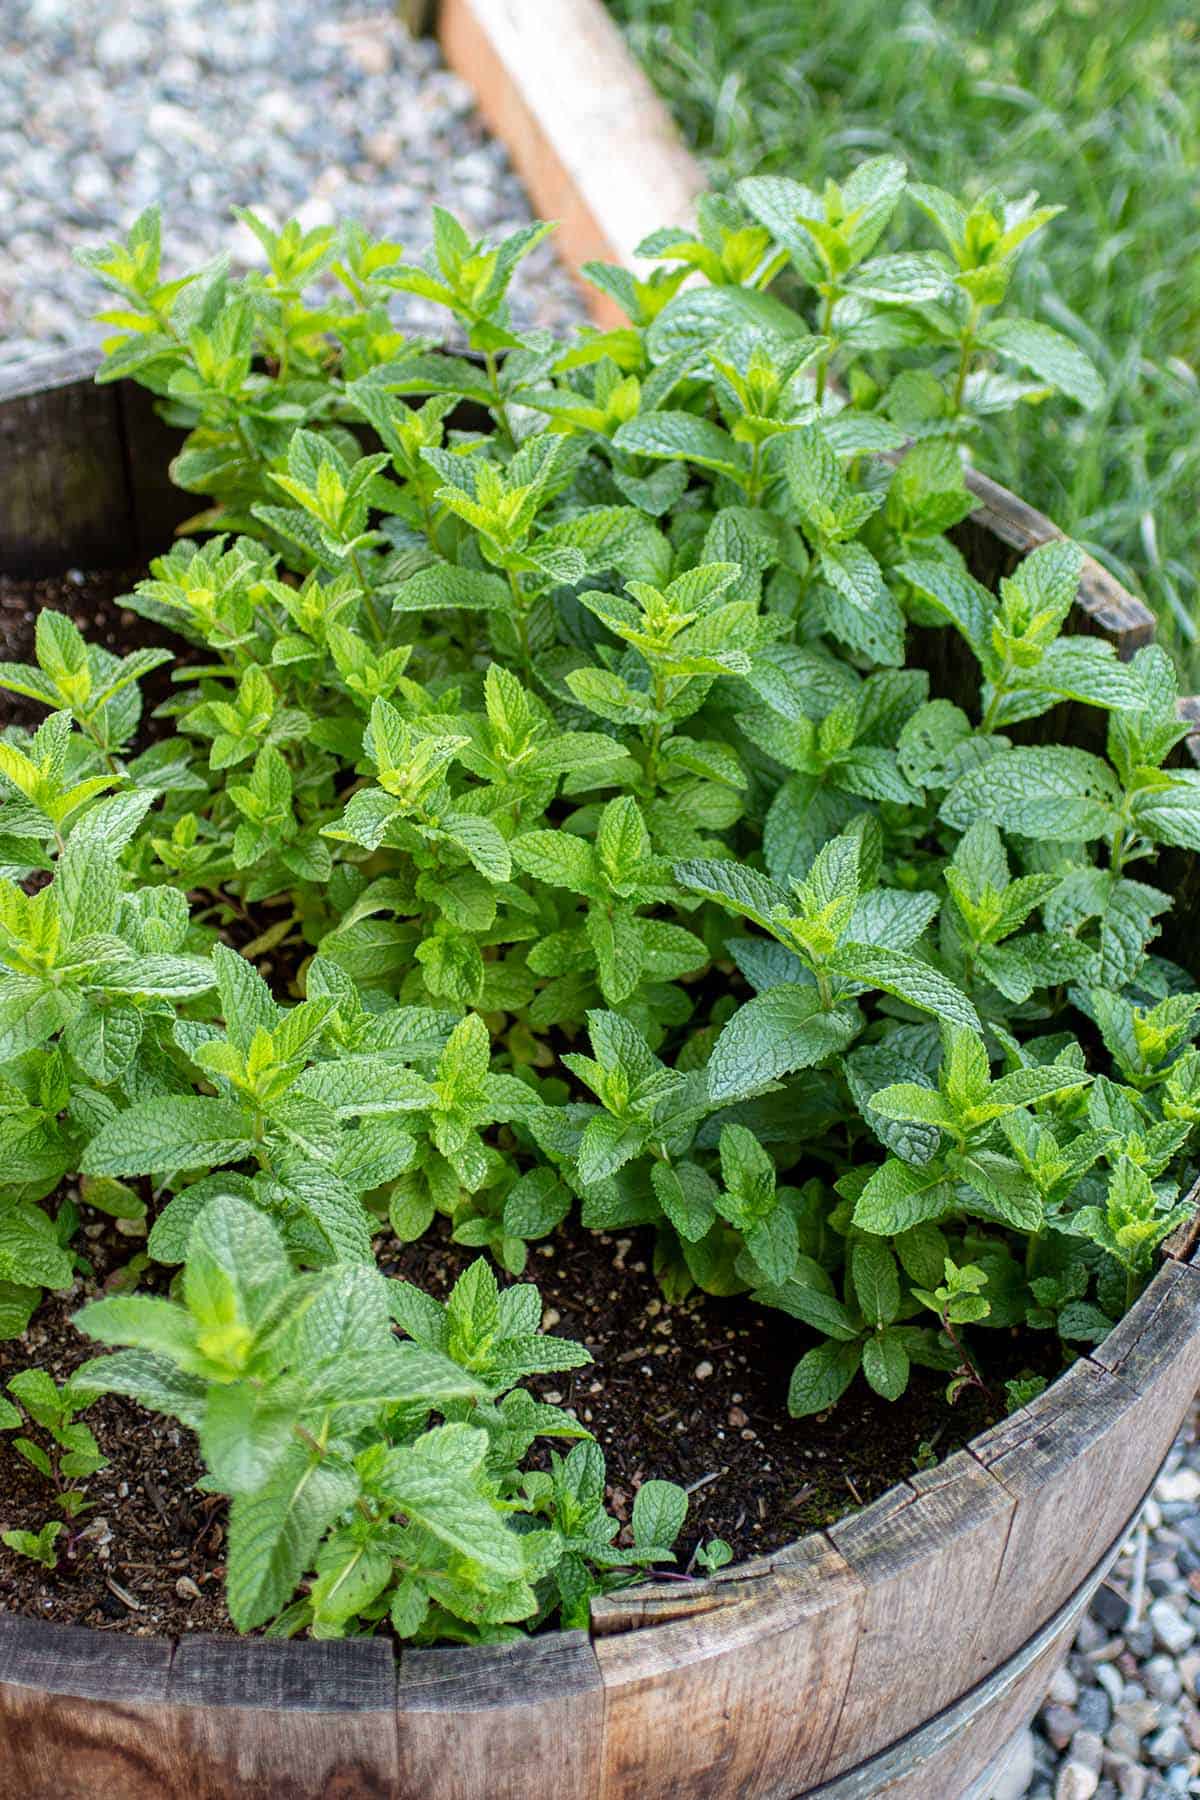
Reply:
x=1060, y=1724
x=1124, y=1740
x=1095, y=1710
x=1110, y=1680
x=300, y=106
x=1076, y=1782
x=1139, y=1714
x=1064, y=1689
x=1171, y=1629
x=1162, y=1679
x=1128, y=1776
x=1170, y=1746
x=122, y=45
x=1088, y=1751
x=1018, y=1772
x=1129, y=1683
x=1111, y=1608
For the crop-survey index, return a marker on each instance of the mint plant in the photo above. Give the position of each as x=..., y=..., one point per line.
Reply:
x=65, y=1454
x=641, y=805
x=381, y=1473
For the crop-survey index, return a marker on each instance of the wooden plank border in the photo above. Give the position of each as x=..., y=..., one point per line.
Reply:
x=594, y=145
x=931, y=1759
x=86, y=469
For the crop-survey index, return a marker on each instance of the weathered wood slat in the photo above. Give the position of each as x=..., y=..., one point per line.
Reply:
x=915, y=1632
x=281, y=1720
x=157, y=505
x=1076, y=1462
x=957, y=1754
x=1076, y=1459
x=87, y=1714
x=500, y=1720
x=81, y=1713
x=1155, y=1349
x=742, y=1699
x=65, y=498
x=595, y=146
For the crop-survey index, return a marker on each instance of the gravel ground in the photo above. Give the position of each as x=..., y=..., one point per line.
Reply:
x=1122, y=1719
x=302, y=106
x=315, y=107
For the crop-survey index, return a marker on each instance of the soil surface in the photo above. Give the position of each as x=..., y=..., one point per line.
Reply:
x=146, y=1555
x=697, y=1393
x=694, y=1392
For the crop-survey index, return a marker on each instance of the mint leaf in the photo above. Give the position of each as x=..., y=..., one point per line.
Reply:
x=774, y=1034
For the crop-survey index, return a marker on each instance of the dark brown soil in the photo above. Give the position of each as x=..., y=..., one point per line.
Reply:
x=697, y=1393
x=146, y=1556
x=693, y=1392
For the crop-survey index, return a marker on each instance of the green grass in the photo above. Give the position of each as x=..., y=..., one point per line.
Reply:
x=1096, y=105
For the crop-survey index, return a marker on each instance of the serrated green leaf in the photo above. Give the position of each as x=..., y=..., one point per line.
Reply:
x=659, y=1511
x=156, y=1137
x=821, y=1377
x=1051, y=356
x=772, y=1035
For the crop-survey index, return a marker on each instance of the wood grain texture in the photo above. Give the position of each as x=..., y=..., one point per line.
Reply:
x=917, y=1552
x=1083, y=1453
x=775, y=1677
x=505, y=1721
x=957, y=1755
x=157, y=505
x=81, y=1713
x=595, y=146
x=283, y=1720
x=1184, y=1241
x=1077, y=1461
x=64, y=498
x=88, y=1714
x=1155, y=1351
x=86, y=469
x=742, y=1699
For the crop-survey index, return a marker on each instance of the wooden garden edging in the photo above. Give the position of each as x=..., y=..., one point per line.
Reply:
x=594, y=145
x=892, y=1655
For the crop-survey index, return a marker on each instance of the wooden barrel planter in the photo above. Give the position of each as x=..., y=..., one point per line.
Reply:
x=893, y=1654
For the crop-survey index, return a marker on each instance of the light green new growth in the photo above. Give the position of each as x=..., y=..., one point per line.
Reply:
x=572, y=753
